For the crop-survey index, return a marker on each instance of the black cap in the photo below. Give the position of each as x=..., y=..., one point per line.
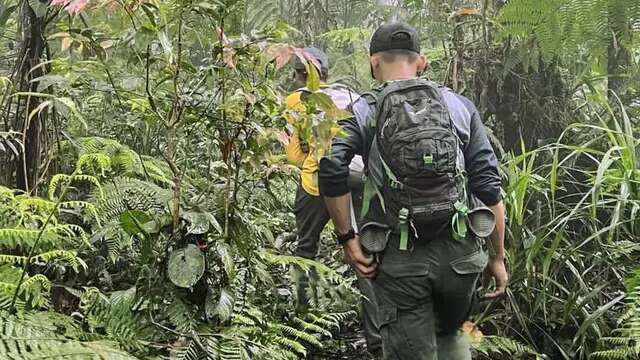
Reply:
x=394, y=36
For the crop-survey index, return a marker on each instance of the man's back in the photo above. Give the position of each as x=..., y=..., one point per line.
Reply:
x=425, y=275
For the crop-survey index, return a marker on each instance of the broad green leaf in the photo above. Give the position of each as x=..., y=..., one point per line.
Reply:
x=46, y=81
x=39, y=8
x=227, y=259
x=186, y=266
x=313, y=78
x=326, y=104
x=214, y=222
x=225, y=305
x=210, y=4
x=133, y=221
x=198, y=222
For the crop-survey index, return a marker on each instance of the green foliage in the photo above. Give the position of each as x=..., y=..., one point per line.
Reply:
x=501, y=346
x=572, y=211
x=569, y=29
x=625, y=342
x=50, y=335
x=160, y=119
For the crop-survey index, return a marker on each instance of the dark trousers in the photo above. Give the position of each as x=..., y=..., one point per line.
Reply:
x=425, y=294
x=311, y=218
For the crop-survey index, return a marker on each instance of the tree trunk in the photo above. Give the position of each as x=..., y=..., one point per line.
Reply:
x=618, y=59
x=31, y=56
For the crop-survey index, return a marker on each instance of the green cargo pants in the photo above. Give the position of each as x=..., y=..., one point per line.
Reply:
x=425, y=294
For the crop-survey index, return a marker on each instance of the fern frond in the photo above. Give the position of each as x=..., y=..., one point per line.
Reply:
x=59, y=180
x=34, y=290
x=626, y=342
x=311, y=327
x=291, y=345
x=297, y=334
x=101, y=161
x=124, y=194
x=25, y=238
x=27, y=339
x=114, y=316
x=505, y=346
x=81, y=205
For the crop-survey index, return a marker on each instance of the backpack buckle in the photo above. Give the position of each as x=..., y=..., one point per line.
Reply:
x=403, y=215
x=428, y=160
x=396, y=185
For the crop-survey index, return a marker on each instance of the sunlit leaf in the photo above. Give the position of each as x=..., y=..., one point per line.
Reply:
x=132, y=221
x=313, y=78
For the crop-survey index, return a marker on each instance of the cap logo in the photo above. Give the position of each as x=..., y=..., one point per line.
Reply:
x=401, y=36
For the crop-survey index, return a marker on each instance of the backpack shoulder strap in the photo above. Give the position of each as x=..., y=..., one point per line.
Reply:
x=370, y=96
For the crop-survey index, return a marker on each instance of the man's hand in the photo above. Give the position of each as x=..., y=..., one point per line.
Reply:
x=364, y=265
x=495, y=270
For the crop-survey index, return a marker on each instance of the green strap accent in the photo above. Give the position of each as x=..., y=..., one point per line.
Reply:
x=367, y=194
x=403, y=222
x=459, y=221
x=393, y=180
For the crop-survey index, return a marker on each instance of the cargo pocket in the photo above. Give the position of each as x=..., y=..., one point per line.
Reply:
x=468, y=269
x=396, y=341
x=387, y=314
x=473, y=263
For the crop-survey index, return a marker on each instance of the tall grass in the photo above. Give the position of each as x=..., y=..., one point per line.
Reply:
x=572, y=234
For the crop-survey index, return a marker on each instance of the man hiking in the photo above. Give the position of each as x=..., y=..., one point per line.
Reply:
x=310, y=211
x=429, y=170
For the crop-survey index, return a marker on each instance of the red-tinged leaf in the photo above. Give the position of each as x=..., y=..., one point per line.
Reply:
x=283, y=138
x=222, y=37
x=468, y=12
x=229, y=57
x=472, y=331
x=76, y=6
x=306, y=58
x=73, y=7
x=66, y=43
x=281, y=53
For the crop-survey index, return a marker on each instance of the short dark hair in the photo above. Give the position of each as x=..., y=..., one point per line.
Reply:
x=394, y=55
x=324, y=73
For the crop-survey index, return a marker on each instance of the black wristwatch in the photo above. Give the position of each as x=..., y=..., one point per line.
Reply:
x=343, y=238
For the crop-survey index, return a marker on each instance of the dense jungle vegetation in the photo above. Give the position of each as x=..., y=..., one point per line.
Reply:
x=143, y=180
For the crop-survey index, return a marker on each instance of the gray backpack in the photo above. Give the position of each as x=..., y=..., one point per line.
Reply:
x=421, y=180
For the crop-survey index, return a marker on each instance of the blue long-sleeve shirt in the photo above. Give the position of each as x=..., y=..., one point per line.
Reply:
x=481, y=163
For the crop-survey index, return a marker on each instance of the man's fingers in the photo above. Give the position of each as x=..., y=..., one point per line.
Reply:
x=497, y=294
x=365, y=260
x=364, y=270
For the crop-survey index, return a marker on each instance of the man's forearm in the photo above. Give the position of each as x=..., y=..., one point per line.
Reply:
x=497, y=238
x=339, y=209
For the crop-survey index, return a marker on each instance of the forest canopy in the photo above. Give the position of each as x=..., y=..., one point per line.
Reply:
x=144, y=183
